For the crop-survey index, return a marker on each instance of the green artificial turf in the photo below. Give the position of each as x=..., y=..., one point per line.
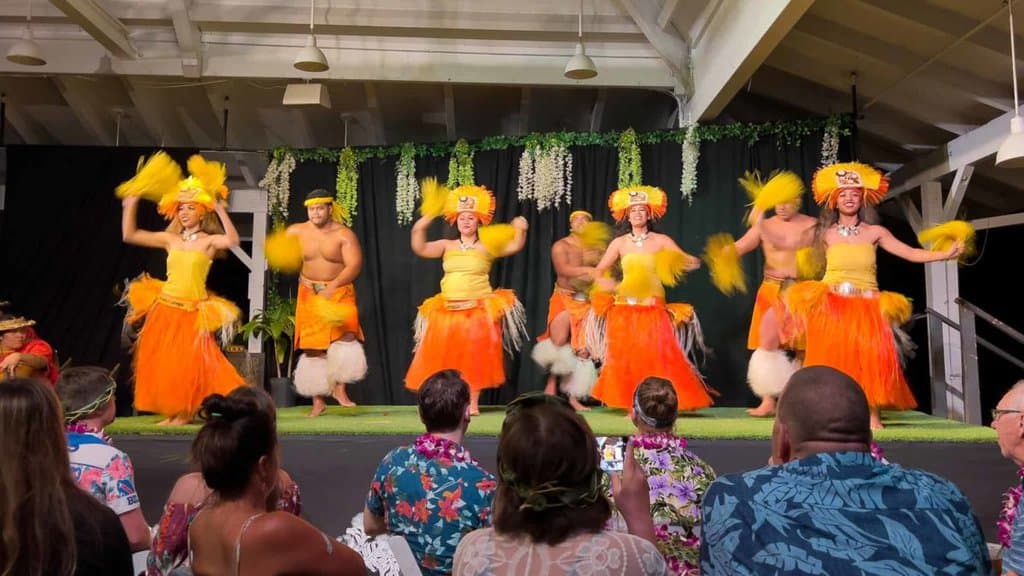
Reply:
x=710, y=423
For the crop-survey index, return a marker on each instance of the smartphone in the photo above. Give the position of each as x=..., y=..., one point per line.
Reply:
x=612, y=450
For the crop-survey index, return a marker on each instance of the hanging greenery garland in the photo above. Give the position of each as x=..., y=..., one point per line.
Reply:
x=630, y=168
x=277, y=183
x=347, y=185
x=690, y=155
x=406, y=187
x=830, y=142
x=545, y=173
x=460, y=165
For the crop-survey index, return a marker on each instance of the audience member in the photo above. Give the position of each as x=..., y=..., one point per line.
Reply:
x=1008, y=422
x=22, y=353
x=828, y=507
x=551, y=507
x=433, y=492
x=236, y=532
x=49, y=526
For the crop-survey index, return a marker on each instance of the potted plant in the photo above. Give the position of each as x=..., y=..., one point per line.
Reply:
x=276, y=324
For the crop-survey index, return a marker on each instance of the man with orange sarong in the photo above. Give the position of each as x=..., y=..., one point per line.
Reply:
x=848, y=323
x=327, y=327
x=631, y=328
x=562, y=349
x=22, y=352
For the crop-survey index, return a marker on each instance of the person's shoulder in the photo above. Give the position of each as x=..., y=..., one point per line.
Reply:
x=189, y=489
x=89, y=514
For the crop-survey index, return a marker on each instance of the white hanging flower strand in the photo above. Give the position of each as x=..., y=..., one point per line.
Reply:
x=406, y=186
x=277, y=182
x=830, y=142
x=545, y=174
x=690, y=156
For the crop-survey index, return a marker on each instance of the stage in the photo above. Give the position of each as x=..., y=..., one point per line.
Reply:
x=333, y=457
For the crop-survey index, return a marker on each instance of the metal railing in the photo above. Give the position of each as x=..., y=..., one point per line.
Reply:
x=970, y=393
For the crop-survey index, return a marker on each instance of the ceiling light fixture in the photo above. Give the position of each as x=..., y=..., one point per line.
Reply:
x=580, y=66
x=25, y=51
x=311, y=58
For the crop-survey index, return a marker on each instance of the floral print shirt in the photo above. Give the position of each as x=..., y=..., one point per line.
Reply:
x=432, y=493
x=103, y=471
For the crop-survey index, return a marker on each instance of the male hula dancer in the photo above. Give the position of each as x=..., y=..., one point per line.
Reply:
x=562, y=349
x=326, y=320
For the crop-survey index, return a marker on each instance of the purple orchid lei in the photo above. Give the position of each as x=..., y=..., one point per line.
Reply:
x=1011, y=498
x=81, y=428
x=432, y=447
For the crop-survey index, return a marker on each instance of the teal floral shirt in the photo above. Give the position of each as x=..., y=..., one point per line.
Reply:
x=839, y=513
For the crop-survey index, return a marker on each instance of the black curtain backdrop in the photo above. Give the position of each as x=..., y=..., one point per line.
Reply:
x=65, y=266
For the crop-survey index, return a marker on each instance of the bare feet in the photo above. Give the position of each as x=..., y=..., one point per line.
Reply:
x=318, y=406
x=179, y=421
x=767, y=408
x=577, y=406
x=341, y=395
x=474, y=409
x=876, y=420
x=164, y=422
x=474, y=402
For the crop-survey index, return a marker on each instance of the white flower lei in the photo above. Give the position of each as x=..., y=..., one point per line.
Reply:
x=406, y=186
x=690, y=155
x=277, y=182
x=830, y=142
x=545, y=175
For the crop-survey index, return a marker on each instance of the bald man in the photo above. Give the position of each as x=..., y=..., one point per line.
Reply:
x=826, y=506
x=1008, y=422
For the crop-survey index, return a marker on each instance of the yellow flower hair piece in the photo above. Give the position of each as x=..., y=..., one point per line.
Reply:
x=595, y=235
x=942, y=237
x=670, y=266
x=724, y=264
x=496, y=237
x=468, y=198
x=622, y=199
x=284, y=253
x=830, y=180
x=153, y=179
x=435, y=196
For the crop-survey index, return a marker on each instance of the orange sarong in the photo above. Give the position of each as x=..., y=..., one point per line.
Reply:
x=767, y=298
x=563, y=300
x=320, y=321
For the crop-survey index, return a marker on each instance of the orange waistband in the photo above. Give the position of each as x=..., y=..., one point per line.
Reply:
x=179, y=303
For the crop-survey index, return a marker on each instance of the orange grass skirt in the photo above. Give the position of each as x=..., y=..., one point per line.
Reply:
x=562, y=301
x=470, y=340
x=767, y=298
x=320, y=321
x=854, y=334
x=177, y=360
x=640, y=341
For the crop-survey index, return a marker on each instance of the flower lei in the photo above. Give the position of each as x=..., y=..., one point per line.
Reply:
x=545, y=173
x=1011, y=498
x=690, y=155
x=406, y=187
x=277, y=182
x=430, y=446
x=877, y=453
x=82, y=428
x=630, y=166
x=659, y=441
x=347, y=185
x=460, y=166
x=830, y=142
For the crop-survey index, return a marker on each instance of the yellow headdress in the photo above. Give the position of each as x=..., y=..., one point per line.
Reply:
x=160, y=180
x=576, y=213
x=622, y=199
x=321, y=196
x=466, y=198
x=831, y=180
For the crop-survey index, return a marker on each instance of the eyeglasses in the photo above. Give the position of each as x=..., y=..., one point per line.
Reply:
x=997, y=412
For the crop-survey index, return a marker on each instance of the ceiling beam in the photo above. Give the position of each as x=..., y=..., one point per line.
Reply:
x=666, y=41
x=739, y=39
x=97, y=122
x=156, y=108
x=31, y=132
x=668, y=11
x=189, y=38
x=104, y=28
x=449, y=111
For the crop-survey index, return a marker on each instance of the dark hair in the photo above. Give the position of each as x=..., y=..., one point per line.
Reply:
x=237, y=432
x=81, y=386
x=623, y=226
x=657, y=399
x=442, y=401
x=258, y=396
x=319, y=193
x=822, y=404
x=547, y=443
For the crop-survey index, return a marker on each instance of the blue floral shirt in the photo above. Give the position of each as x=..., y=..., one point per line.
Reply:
x=839, y=513
x=432, y=493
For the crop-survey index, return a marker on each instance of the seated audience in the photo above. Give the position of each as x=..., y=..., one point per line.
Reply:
x=48, y=525
x=22, y=353
x=1008, y=422
x=677, y=477
x=87, y=395
x=551, y=507
x=828, y=507
x=432, y=492
x=170, y=541
x=237, y=532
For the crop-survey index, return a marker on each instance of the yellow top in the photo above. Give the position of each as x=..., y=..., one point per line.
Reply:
x=186, y=274
x=466, y=275
x=851, y=263
x=640, y=280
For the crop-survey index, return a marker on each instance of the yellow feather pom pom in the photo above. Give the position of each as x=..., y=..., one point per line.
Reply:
x=284, y=253
x=636, y=280
x=751, y=183
x=211, y=174
x=332, y=313
x=724, y=264
x=782, y=188
x=496, y=237
x=896, y=308
x=595, y=235
x=670, y=266
x=810, y=263
x=158, y=176
x=942, y=237
x=434, y=197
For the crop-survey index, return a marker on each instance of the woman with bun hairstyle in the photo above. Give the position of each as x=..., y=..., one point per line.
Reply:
x=238, y=533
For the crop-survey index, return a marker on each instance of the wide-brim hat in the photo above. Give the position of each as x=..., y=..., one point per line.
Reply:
x=7, y=324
